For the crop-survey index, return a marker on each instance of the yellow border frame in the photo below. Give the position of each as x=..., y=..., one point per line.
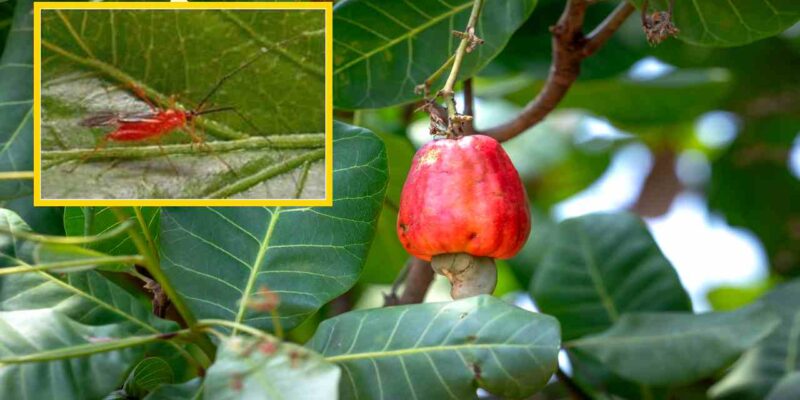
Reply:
x=37, y=31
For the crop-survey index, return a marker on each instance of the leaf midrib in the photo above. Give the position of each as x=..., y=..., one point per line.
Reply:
x=99, y=302
x=14, y=135
x=411, y=33
x=622, y=341
x=596, y=277
x=256, y=268
x=429, y=349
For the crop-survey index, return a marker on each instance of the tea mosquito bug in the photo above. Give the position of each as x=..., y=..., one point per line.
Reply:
x=159, y=121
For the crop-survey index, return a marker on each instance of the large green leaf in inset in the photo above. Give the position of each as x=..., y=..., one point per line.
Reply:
x=600, y=266
x=760, y=369
x=729, y=22
x=220, y=258
x=92, y=57
x=663, y=349
x=257, y=369
x=383, y=49
x=16, y=104
x=441, y=350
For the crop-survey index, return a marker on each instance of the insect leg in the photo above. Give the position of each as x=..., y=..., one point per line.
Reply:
x=164, y=153
x=100, y=144
x=139, y=92
x=111, y=166
x=201, y=143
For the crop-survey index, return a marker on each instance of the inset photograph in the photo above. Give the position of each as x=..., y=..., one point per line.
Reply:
x=182, y=105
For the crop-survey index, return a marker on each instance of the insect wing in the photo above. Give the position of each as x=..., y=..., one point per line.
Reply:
x=144, y=117
x=114, y=118
x=103, y=118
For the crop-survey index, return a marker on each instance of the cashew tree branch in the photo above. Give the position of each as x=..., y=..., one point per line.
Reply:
x=570, y=48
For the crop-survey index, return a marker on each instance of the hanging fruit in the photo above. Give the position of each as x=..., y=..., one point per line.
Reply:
x=462, y=206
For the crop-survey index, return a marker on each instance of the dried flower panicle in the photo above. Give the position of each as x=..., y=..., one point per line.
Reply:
x=659, y=27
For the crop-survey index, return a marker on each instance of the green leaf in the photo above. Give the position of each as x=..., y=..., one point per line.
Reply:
x=788, y=388
x=594, y=374
x=116, y=395
x=257, y=369
x=48, y=253
x=760, y=369
x=6, y=16
x=554, y=158
x=676, y=97
x=9, y=246
x=148, y=374
x=387, y=256
x=729, y=22
x=36, y=332
x=86, y=298
x=441, y=350
x=680, y=348
x=16, y=94
x=46, y=220
x=23, y=253
x=753, y=187
x=178, y=391
x=92, y=57
x=600, y=266
x=384, y=49
x=220, y=258
x=90, y=221
x=529, y=50
x=730, y=297
x=527, y=261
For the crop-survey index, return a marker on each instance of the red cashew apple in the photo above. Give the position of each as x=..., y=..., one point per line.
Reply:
x=462, y=206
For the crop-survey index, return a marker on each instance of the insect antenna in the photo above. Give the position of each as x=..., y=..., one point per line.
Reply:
x=212, y=110
x=225, y=78
x=262, y=51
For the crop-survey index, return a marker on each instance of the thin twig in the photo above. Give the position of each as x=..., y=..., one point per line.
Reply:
x=15, y=175
x=424, y=88
x=570, y=47
x=16, y=269
x=468, y=41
